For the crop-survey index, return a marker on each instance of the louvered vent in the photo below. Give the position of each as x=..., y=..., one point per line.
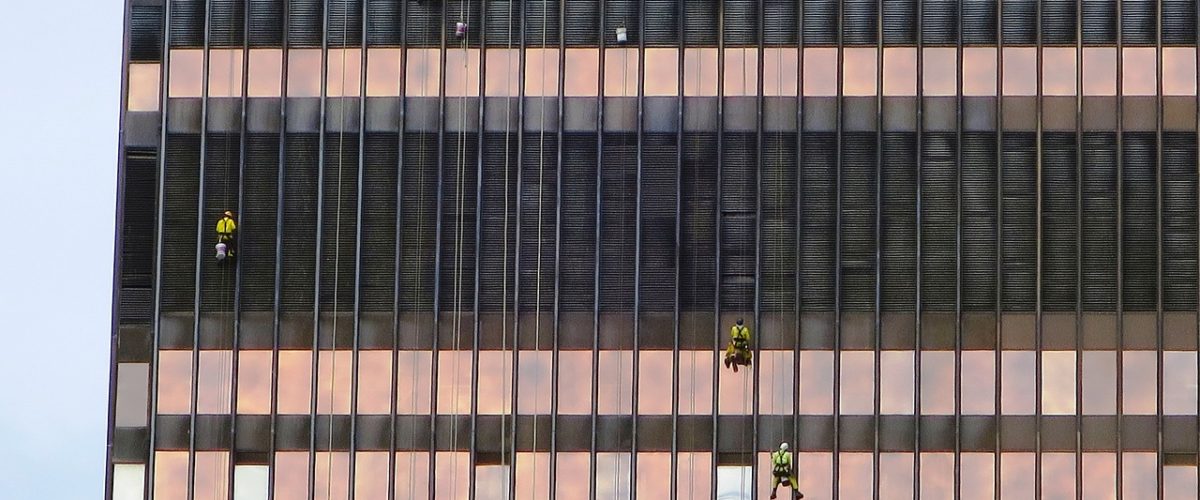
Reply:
x=1099, y=236
x=345, y=23
x=145, y=33
x=187, y=23
x=1058, y=22
x=818, y=220
x=940, y=20
x=384, y=23
x=305, y=19
x=299, y=223
x=380, y=168
x=578, y=233
x=621, y=13
x=227, y=23
x=979, y=22
x=266, y=23
x=1099, y=21
x=898, y=247
x=979, y=218
x=741, y=22
x=1138, y=26
x=418, y=220
x=662, y=23
x=583, y=18
x=858, y=221
x=900, y=22
x=778, y=226
x=939, y=211
x=1139, y=215
x=424, y=26
x=1019, y=22
x=1059, y=229
x=618, y=193
x=738, y=205
x=1179, y=22
x=537, y=222
x=658, y=222
x=541, y=22
x=181, y=186
x=504, y=23
x=139, y=191
x=1018, y=222
x=339, y=210
x=820, y=22
x=458, y=222
x=1179, y=221
x=700, y=20
x=859, y=26
x=495, y=273
x=222, y=158
x=259, y=222
x=698, y=183
x=783, y=23
x=470, y=13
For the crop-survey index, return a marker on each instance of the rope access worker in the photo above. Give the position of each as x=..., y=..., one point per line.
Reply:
x=226, y=227
x=738, y=351
x=782, y=471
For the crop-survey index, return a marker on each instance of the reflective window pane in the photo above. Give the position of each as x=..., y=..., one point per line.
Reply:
x=171, y=475
x=900, y=71
x=213, y=385
x=1058, y=382
x=978, y=473
x=572, y=465
x=741, y=71
x=1100, y=71
x=895, y=476
x=979, y=71
x=413, y=385
x=620, y=72
x=186, y=73
x=370, y=474
x=143, y=87
x=896, y=370
x=653, y=475
x=375, y=382
x=383, y=71
x=695, y=382
x=454, y=383
x=1179, y=383
x=855, y=477
x=295, y=379
x=1058, y=71
x=1179, y=482
x=128, y=482
x=462, y=73
x=700, y=72
x=1139, y=71
x=1017, y=396
x=1099, y=475
x=655, y=382
x=452, y=473
x=940, y=71
x=290, y=465
x=615, y=374
x=574, y=382
x=583, y=72
x=1020, y=71
x=937, y=475
x=1179, y=70
x=333, y=387
x=225, y=73
x=1016, y=476
x=533, y=475
x=1139, y=384
x=859, y=71
x=662, y=72
x=820, y=72
x=174, y=382
x=423, y=73
x=1099, y=382
x=252, y=482
x=133, y=394
x=693, y=476
x=1139, y=475
x=775, y=382
x=1058, y=475
x=304, y=73
x=937, y=382
x=534, y=382
x=612, y=475
x=978, y=382
x=541, y=72
x=780, y=71
x=816, y=382
x=412, y=475
x=211, y=476
x=265, y=73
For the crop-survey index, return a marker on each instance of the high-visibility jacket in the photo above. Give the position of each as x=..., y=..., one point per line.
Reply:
x=226, y=226
x=781, y=463
x=740, y=337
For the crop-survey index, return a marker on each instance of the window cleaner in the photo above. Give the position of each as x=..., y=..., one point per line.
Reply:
x=738, y=351
x=622, y=35
x=782, y=471
x=226, y=227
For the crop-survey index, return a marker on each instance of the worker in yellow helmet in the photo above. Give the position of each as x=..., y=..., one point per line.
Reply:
x=738, y=351
x=226, y=228
x=782, y=471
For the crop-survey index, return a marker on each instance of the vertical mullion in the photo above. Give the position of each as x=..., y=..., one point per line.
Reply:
x=635, y=354
x=472, y=475
x=758, y=246
x=1120, y=244
x=558, y=192
x=919, y=134
x=1079, y=187
x=203, y=159
x=837, y=254
x=797, y=393
x=516, y=352
x=1196, y=125
x=160, y=197
x=278, y=277
x=358, y=236
x=1038, y=266
x=877, y=325
x=720, y=158
x=1158, y=220
x=393, y=395
x=680, y=63
x=958, y=251
x=318, y=251
x=598, y=252
x=998, y=358
x=437, y=272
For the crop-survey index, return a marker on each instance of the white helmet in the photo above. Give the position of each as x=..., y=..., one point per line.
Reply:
x=783, y=446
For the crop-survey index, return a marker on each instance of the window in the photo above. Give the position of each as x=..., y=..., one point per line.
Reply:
x=937, y=475
x=1138, y=73
x=1020, y=71
x=210, y=475
x=452, y=473
x=225, y=72
x=1138, y=475
x=816, y=382
x=700, y=72
x=174, y=382
x=899, y=71
x=1099, y=383
x=495, y=382
x=383, y=72
x=133, y=394
x=858, y=71
x=1139, y=384
x=254, y=383
x=1179, y=482
x=655, y=381
x=734, y=482
x=535, y=384
x=653, y=475
x=251, y=482
x=128, y=481
x=896, y=382
x=541, y=72
x=1058, y=71
x=290, y=465
x=978, y=473
x=940, y=71
x=375, y=383
x=574, y=382
x=333, y=387
x=213, y=385
x=1100, y=71
x=454, y=383
x=1058, y=382
x=820, y=72
x=780, y=71
x=186, y=73
x=693, y=476
x=979, y=71
x=423, y=73
x=1179, y=383
x=855, y=477
x=895, y=476
x=171, y=475
x=978, y=381
x=574, y=465
x=583, y=72
x=304, y=73
x=615, y=374
x=1016, y=476
x=370, y=474
x=344, y=74
x=775, y=382
x=332, y=475
x=143, y=87
x=266, y=73
x=1017, y=395
x=741, y=71
x=462, y=72
x=937, y=382
x=1179, y=70
x=1058, y=475
x=295, y=380
x=662, y=72
x=491, y=481
x=414, y=386
x=612, y=475
x=857, y=383
x=620, y=72
x=1099, y=475
x=412, y=475
x=695, y=382
x=533, y=475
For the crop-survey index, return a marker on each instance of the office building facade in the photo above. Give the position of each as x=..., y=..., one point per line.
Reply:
x=494, y=249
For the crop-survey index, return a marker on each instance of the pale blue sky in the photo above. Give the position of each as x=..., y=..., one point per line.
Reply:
x=59, y=86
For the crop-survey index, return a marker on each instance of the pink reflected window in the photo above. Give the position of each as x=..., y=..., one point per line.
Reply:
x=855, y=477
x=700, y=72
x=211, y=475
x=900, y=71
x=186, y=73
x=937, y=475
x=383, y=72
x=940, y=71
x=534, y=382
x=1179, y=70
x=858, y=71
x=937, y=382
x=541, y=72
x=814, y=471
x=491, y=481
x=583, y=72
x=454, y=383
x=780, y=71
x=1058, y=71
x=1100, y=71
x=978, y=383
x=213, y=382
x=462, y=72
x=896, y=382
x=620, y=72
x=1179, y=383
x=1139, y=475
x=295, y=380
x=775, y=387
x=503, y=72
x=452, y=475
x=375, y=382
x=412, y=475
x=171, y=475
x=344, y=76
x=1099, y=382
x=1140, y=389
x=333, y=387
x=1017, y=396
x=413, y=382
x=174, y=382
x=979, y=71
x=858, y=383
x=332, y=475
x=695, y=382
x=816, y=382
x=1179, y=482
x=533, y=475
x=290, y=465
x=1016, y=476
x=820, y=72
x=1020, y=71
x=741, y=71
x=736, y=393
x=1058, y=382
x=693, y=476
x=574, y=382
x=572, y=465
x=143, y=87
x=495, y=382
x=612, y=475
x=653, y=475
x=978, y=473
x=423, y=72
x=370, y=474
x=265, y=73
x=616, y=376
x=655, y=380
x=225, y=73
x=1058, y=475
x=304, y=73
x=1138, y=73
x=1099, y=475
x=895, y=476
x=662, y=72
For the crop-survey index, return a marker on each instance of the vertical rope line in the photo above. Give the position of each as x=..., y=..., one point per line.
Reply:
x=695, y=279
x=431, y=461
x=505, y=403
x=456, y=322
x=537, y=326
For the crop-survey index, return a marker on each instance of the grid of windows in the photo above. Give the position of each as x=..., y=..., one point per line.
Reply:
x=490, y=248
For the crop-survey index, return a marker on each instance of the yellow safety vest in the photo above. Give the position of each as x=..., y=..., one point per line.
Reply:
x=781, y=462
x=740, y=335
x=226, y=226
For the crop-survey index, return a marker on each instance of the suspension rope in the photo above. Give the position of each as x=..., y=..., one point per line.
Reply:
x=537, y=328
x=460, y=167
x=505, y=376
x=695, y=287
x=412, y=462
x=617, y=476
